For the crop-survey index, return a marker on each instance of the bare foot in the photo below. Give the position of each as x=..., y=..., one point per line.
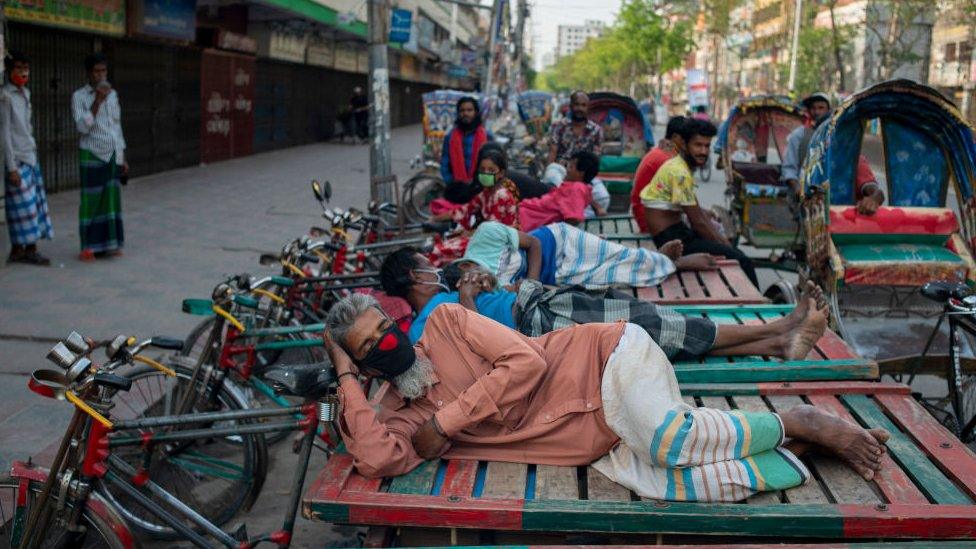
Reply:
x=812, y=291
x=860, y=448
x=799, y=342
x=673, y=249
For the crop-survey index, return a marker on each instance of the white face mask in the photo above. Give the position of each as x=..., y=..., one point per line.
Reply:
x=440, y=278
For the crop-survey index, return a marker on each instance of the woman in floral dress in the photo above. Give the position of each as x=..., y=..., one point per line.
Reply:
x=498, y=201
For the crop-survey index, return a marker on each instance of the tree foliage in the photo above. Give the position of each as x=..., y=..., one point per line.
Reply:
x=640, y=42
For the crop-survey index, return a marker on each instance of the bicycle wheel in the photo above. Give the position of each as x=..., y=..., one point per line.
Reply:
x=215, y=476
x=104, y=528
x=418, y=193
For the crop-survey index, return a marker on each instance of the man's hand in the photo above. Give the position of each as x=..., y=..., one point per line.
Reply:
x=429, y=441
x=697, y=262
x=102, y=91
x=472, y=284
x=867, y=205
x=13, y=178
x=125, y=168
x=340, y=359
x=673, y=249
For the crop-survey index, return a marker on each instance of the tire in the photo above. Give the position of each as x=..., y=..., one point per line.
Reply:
x=418, y=193
x=782, y=292
x=217, y=477
x=105, y=529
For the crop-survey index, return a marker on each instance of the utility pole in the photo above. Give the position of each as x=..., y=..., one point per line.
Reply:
x=519, y=62
x=496, y=14
x=797, y=17
x=379, y=102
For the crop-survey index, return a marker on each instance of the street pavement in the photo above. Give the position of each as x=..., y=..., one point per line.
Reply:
x=185, y=231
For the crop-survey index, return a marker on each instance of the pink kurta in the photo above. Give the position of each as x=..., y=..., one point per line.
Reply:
x=567, y=202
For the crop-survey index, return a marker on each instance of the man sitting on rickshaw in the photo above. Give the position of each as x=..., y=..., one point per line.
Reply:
x=868, y=195
x=574, y=134
x=649, y=165
x=671, y=195
x=605, y=393
x=460, y=152
x=534, y=310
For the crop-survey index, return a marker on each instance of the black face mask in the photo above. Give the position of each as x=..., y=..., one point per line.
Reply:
x=391, y=355
x=577, y=116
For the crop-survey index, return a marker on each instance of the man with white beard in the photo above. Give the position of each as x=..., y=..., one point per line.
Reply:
x=605, y=393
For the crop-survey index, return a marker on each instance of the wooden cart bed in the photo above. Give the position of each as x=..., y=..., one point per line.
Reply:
x=727, y=285
x=830, y=360
x=925, y=490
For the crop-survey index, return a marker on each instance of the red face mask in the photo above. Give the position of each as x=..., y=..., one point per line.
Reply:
x=19, y=79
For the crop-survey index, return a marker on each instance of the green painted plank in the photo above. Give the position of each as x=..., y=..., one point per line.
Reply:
x=326, y=511
x=418, y=482
x=732, y=318
x=759, y=370
x=720, y=389
x=732, y=309
x=664, y=517
x=916, y=464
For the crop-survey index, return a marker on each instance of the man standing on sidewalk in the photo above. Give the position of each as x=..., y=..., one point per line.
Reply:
x=25, y=198
x=98, y=117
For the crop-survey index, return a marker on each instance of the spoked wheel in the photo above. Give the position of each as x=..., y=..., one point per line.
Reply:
x=103, y=528
x=418, y=193
x=215, y=476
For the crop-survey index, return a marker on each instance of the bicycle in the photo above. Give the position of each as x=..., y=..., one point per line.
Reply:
x=72, y=505
x=420, y=190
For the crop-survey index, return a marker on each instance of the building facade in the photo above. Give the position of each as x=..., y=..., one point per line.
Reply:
x=203, y=81
x=571, y=38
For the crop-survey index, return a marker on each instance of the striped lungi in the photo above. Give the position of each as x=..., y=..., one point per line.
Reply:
x=100, y=211
x=26, y=208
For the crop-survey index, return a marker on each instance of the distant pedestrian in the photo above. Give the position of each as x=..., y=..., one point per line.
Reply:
x=574, y=134
x=359, y=103
x=98, y=117
x=25, y=199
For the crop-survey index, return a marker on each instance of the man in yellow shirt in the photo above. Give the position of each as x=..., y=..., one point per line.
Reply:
x=671, y=195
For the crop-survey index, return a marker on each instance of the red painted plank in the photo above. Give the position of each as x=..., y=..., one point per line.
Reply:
x=833, y=347
x=832, y=388
x=649, y=294
x=459, y=478
x=907, y=520
x=892, y=481
x=739, y=282
x=359, y=483
x=440, y=512
x=330, y=481
x=671, y=289
x=717, y=289
x=692, y=286
x=952, y=456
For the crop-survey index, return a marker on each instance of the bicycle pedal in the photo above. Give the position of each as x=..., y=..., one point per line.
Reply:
x=240, y=533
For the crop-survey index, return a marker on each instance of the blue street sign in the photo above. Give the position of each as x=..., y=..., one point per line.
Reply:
x=400, y=25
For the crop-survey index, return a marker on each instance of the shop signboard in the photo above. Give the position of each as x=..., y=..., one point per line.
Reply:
x=226, y=101
x=174, y=19
x=100, y=16
x=697, y=88
x=320, y=52
x=281, y=44
x=400, y=23
x=345, y=57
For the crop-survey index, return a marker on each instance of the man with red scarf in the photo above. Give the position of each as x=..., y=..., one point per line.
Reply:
x=460, y=152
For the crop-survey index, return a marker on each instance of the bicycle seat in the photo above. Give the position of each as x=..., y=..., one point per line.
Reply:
x=310, y=381
x=942, y=290
x=436, y=226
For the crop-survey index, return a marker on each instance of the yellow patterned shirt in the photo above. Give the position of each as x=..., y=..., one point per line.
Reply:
x=671, y=188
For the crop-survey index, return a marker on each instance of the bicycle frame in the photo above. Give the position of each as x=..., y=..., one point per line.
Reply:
x=98, y=464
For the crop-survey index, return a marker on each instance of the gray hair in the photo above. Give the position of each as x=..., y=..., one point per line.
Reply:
x=343, y=315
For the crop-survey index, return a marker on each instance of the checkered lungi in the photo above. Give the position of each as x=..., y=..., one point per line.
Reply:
x=26, y=208
x=539, y=310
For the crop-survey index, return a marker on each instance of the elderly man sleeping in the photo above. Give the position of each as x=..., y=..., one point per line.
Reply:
x=604, y=393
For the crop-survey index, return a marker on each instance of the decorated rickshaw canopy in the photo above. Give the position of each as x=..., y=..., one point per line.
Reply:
x=752, y=114
x=440, y=109
x=622, y=122
x=535, y=110
x=925, y=143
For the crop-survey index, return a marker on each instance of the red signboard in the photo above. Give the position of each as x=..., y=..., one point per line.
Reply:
x=226, y=104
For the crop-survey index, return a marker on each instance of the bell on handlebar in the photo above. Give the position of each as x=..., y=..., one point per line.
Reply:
x=317, y=190
x=119, y=343
x=317, y=231
x=62, y=356
x=268, y=259
x=76, y=343
x=78, y=370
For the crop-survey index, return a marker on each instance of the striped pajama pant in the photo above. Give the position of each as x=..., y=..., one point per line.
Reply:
x=672, y=451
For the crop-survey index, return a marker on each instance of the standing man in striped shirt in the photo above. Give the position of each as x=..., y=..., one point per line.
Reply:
x=25, y=200
x=98, y=117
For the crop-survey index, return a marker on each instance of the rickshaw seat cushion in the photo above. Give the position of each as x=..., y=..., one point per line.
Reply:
x=617, y=184
x=758, y=173
x=844, y=220
x=900, y=264
x=619, y=164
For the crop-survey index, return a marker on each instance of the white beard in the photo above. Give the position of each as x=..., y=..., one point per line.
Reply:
x=414, y=382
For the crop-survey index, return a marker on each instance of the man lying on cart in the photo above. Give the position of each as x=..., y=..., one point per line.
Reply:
x=595, y=393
